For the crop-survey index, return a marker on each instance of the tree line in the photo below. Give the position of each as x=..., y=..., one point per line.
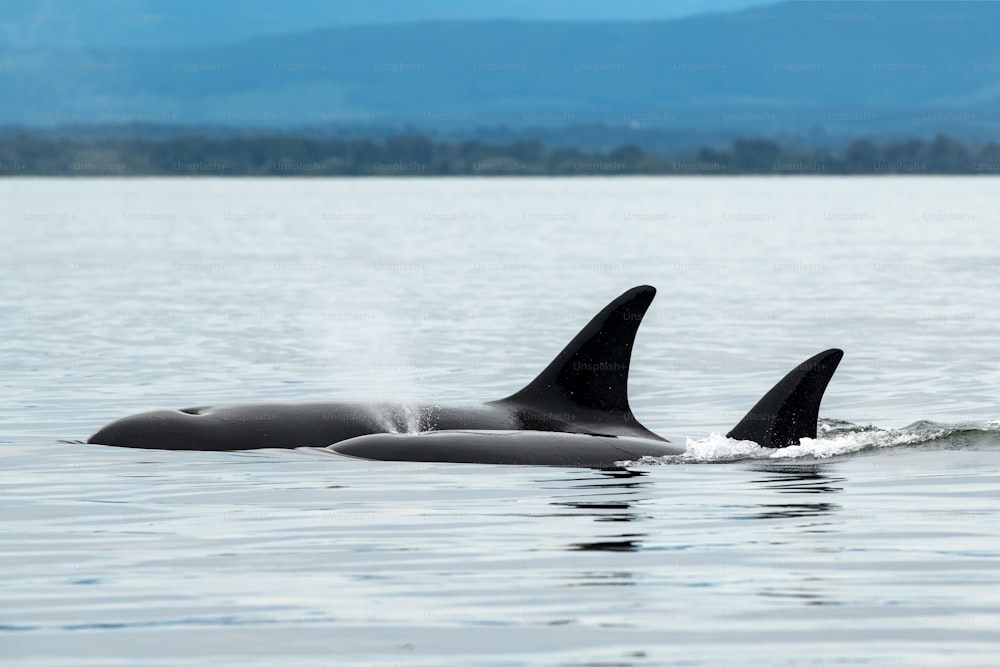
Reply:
x=415, y=155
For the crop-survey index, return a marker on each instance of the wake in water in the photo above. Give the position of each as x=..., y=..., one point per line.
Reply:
x=839, y=438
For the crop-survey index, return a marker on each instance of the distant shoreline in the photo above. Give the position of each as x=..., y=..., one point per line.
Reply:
x=414, y=155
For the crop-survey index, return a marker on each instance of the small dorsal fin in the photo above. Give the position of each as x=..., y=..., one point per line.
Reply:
x=789, y=411
x=592, y=371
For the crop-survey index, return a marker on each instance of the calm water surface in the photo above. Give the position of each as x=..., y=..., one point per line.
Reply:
x=876, y=544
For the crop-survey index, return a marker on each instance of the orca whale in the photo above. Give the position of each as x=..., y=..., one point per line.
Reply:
x=789, y=411
x=784, y=415
x=583, y=390
x=535, y=448
x=575, y=413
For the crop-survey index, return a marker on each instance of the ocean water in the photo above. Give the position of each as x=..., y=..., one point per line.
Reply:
x=878, y=543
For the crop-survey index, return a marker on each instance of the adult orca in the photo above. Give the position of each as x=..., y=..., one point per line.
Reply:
x=784, y=415
x=583, y=390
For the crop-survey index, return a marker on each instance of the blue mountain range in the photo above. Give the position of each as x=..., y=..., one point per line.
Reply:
x=794, y=68
x=109, y=23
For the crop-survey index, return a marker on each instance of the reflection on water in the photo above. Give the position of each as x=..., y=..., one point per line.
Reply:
x=618, y=491
x=626, y=542
x=813, y=596
x=604, y=578
x=618, y=479
x=803, y=480
x=620, y=511
x=796, y=479
x=793, y=510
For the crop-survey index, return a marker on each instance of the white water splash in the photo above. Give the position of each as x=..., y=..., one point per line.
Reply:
x=411, y=418
x=837, y=439
x=397, y=417
x=718, y=447
x=849, y=443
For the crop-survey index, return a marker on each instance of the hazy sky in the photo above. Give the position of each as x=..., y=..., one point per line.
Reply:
x=206, y=22
x=188, y=22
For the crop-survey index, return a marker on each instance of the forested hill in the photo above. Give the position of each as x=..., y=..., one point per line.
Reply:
x=419, y=156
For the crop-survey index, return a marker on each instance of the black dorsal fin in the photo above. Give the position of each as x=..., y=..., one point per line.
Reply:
x=789, y=411
x=592, y=371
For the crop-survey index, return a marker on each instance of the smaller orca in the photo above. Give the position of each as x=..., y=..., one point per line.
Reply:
x=784, y=415
x=789, y=411
x=527, y=448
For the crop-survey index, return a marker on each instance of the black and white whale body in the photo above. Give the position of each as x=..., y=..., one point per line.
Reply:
x=784, y=415
x=575, y=413
x=583, y=390
x=536, y=448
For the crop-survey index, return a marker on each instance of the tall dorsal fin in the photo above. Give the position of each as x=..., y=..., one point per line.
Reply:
x=592, y=371
x=789, y=411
